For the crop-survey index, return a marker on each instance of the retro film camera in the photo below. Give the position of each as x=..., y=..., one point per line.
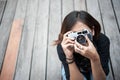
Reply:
x=80, y=36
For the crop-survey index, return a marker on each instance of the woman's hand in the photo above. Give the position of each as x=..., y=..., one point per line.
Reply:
x=87, y=50
x=68, y=45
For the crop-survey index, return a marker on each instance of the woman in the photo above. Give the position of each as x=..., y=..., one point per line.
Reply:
x=87, y=61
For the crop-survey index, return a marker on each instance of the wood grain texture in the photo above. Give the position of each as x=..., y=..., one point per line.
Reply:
x=116, y=6
x=79, y=5
x=53, y=63
x=5, y=27
x=27, y=12
x=9, y=64
x=67, y=7
x=38, y=70
x=111, y=30
x=2, y=8
x=3, y=0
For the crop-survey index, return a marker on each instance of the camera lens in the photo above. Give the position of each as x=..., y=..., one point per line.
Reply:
x=81, y=39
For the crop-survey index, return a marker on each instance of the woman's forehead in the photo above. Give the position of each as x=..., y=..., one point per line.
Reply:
x=79, y=26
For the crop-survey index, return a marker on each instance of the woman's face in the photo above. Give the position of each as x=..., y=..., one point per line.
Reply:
x=79, y=26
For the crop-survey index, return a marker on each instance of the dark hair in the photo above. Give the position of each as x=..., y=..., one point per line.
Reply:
x=82, y=16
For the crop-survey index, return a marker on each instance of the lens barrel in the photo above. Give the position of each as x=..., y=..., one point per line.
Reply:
x=81, y=39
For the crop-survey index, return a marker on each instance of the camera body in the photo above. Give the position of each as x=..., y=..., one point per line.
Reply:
x=80, y=36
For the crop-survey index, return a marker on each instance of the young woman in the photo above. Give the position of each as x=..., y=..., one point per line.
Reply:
x=83, y=61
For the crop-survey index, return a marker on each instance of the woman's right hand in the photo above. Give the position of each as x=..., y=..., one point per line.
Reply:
x=68, y=45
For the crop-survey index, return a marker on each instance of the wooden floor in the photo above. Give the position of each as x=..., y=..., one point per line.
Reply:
x=38, y=22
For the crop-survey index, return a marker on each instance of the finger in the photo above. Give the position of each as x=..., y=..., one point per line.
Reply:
x=87, y=39
x=70, y=45
x=65, y=35
x=69, y=41
x=70, y=38
x=79, y=45
x=77, y=49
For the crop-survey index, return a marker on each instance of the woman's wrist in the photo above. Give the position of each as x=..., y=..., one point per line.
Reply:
x=95, y=58
x=69, y=59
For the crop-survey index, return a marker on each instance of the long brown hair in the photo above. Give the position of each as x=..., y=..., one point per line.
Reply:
x=74, y=16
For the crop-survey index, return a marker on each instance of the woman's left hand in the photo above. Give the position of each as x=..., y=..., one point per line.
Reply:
x=88, y=50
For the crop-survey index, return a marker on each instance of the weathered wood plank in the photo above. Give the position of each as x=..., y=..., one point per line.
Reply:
x=2, y=8
x=6, y=26
x=111, y=30
x=67, y=7
x=79, y=5
x=8, y=69
x=110, y=75
x=28, y=12
x=116, y=5
x=38, y=71
x=53, y=63
x=3, y=0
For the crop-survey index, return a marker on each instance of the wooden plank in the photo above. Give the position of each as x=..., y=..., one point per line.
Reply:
x=6, y=26
x=95, y=12
x=3, y=0
x=111, y=30
x=28, y=12
x=53, y=63
x=2, y=7
x=67, y=7
x=116, y=6
x=38, y=70
x=8, y=69
x=110, y=75
x=79, y=5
